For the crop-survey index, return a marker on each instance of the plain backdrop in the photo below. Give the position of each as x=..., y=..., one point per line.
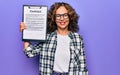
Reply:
x=99, y=24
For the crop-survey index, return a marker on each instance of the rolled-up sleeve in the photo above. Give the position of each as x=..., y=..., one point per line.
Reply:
x=33, y=50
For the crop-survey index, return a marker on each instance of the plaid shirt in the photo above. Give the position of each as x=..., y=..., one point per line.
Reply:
x=77, y=64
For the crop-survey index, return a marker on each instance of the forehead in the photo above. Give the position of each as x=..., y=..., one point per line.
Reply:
x=61, y=10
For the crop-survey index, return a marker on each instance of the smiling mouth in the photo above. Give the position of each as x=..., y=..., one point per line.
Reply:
x=62, y=23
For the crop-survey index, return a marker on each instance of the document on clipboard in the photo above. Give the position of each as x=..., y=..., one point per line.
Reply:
x=35, y=19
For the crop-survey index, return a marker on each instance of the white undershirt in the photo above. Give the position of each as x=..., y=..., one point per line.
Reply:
x=62, y=54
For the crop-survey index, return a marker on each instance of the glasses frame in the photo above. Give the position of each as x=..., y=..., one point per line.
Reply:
x=58, y=16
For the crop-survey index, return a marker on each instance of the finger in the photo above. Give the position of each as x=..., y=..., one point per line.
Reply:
x=22, y=26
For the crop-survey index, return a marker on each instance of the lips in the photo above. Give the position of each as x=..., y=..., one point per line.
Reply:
x=62, y=23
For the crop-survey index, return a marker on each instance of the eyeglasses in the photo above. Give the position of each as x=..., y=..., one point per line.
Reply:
x=58, y=16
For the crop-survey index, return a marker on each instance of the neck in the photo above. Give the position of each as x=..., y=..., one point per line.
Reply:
x=62, y=32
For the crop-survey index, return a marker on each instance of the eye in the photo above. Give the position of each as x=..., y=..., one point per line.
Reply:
x=57, y=15
x=65, y=14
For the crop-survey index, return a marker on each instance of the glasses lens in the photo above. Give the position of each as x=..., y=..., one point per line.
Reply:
x=58, y=16
x=65, y=15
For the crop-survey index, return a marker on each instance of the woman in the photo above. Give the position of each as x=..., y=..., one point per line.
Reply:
x=62, y=53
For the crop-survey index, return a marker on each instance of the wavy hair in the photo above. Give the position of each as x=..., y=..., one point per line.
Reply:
x=73, y=17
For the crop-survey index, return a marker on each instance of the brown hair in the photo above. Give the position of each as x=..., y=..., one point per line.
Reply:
x=73, y=17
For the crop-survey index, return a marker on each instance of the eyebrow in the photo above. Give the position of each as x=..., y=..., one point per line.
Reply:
x=61, y=14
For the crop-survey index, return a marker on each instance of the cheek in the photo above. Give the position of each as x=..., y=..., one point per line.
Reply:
x=68, y=21
x=57, y=22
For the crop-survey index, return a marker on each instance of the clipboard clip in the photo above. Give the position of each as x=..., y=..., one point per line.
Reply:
x=34, y=7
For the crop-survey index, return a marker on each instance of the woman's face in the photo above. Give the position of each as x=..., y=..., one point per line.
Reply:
x=62, y=18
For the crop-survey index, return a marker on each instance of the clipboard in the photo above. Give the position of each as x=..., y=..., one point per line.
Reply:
x=35, y=19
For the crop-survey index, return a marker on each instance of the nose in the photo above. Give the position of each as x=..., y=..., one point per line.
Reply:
x=61, y=17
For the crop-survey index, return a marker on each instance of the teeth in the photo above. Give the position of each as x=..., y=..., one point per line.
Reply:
x=62, y=23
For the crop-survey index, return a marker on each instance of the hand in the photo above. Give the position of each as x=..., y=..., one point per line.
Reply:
x=26, y=44
x=22, y=26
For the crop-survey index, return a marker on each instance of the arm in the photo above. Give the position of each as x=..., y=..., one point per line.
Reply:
x=83, y=69
x=31, y=50
x=80, y=56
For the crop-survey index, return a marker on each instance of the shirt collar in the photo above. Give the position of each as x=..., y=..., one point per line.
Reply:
x=70, y=34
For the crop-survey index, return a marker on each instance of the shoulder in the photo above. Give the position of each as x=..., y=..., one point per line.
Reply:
x=76, y=35
x=50, y=35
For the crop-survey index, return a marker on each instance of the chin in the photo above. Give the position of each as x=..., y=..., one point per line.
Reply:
x=63, y=27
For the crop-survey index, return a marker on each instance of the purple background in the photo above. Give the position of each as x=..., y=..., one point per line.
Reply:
x=99, y=25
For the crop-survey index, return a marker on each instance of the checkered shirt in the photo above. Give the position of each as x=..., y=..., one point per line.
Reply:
x=77, y=64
